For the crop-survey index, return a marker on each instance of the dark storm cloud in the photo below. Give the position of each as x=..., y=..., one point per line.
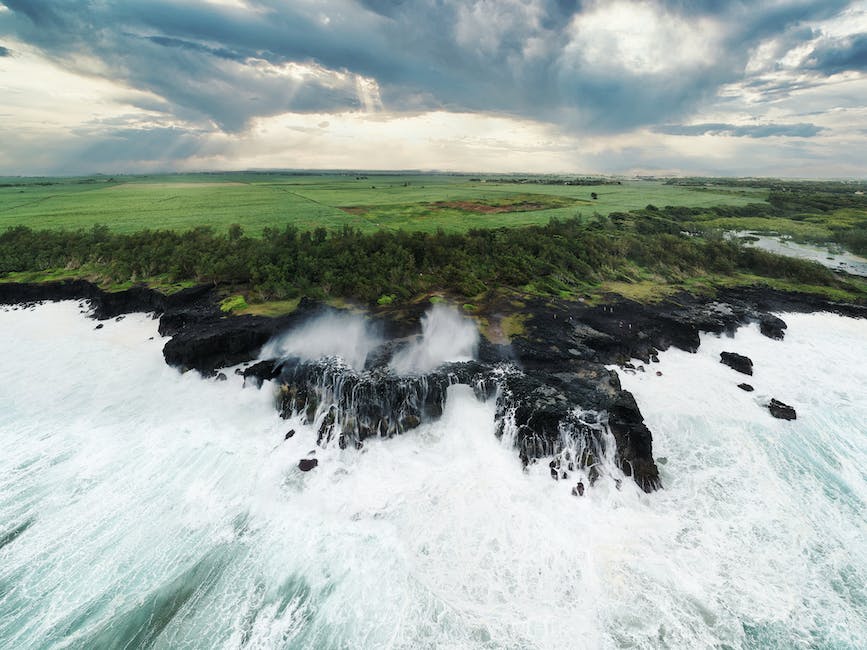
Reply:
x=521, y=58
x=220, y=52
x=802, y=130
x=840, y=56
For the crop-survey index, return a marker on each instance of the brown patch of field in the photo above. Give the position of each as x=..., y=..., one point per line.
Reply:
x=357, y=210
x=485, y=208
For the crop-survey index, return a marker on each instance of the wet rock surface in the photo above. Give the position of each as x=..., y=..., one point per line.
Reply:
x=353, y=406
x=772, y=326
x=737, y=362
x=782, y=411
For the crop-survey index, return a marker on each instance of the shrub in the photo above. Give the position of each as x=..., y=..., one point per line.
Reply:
x=233, y=303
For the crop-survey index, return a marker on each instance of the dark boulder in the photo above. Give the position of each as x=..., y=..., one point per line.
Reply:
x=747, y=387
x=737, y=362
x=289, y=434
x=306, y=464
x=782, y=411
x=772, y=326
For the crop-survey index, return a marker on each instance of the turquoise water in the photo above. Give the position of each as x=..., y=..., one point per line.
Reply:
x=143, y=508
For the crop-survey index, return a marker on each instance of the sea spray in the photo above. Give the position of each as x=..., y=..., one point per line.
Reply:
x=446, y=336
x=347, y=336
x=166, y=507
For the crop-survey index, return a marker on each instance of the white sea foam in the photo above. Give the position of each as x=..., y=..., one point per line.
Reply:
x=140, y=506
x=446, y=336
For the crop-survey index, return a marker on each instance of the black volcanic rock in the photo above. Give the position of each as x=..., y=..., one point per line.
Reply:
x=737, y=362
x=206, y=340
x=634, y=442
x=306, y=464
x=219, y=342
x=772, y=326
x=262, y=371
x=747, y=387
x=781, y=411
x=372, y=403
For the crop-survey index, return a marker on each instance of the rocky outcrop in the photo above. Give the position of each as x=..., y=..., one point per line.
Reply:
x=218, y=341
x=634, y=442
x=737, y=362
x=557, y=400
x=354, y=406
x=781, y=411
x=746, y=387
x=772, y=326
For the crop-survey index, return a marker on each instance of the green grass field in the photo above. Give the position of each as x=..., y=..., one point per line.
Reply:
x=373, y=201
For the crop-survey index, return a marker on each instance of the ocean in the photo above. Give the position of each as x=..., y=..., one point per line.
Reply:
x=142, y=508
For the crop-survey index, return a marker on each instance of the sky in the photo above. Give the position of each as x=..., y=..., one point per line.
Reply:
x=703, y=87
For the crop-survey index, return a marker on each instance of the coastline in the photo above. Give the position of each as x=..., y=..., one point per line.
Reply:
x=561, y=355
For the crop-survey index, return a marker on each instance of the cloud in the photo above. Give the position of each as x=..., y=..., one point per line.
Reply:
x=591, y=64
x=588, y=68
x=801, y=130
x=832, y=57
x=5, y=51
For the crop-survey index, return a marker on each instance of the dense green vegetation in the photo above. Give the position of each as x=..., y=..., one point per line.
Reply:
x=563, y=258
x=370, y=202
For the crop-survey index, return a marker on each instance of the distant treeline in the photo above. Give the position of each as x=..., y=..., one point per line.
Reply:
x=558, y=181
x=563, y=256
x=775, y=184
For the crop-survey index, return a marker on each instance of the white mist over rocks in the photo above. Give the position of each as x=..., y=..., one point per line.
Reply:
x=144, y=508
x=446, y=336
x=348, y=336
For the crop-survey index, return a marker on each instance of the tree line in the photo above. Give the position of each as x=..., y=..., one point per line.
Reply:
x=561, y=256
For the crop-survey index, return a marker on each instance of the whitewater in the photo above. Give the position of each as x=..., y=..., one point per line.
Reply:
x=140, y=507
